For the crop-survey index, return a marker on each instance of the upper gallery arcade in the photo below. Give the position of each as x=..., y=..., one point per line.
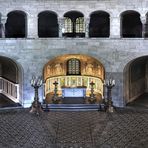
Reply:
x=73, y=23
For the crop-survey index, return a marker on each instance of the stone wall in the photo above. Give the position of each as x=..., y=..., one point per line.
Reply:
x=33, y=53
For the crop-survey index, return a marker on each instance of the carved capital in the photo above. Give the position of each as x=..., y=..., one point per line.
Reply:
x=143, y=19
x=87, y=20
x=3, y=19
x=60, y=20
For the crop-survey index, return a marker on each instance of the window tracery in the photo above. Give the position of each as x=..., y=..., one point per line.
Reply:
x=73, y=67
x=68, y=26
x=80, y=25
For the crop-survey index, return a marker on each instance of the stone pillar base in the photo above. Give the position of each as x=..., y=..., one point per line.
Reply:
x=36, y=108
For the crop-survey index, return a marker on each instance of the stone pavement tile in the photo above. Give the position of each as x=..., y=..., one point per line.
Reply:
x=124, y=128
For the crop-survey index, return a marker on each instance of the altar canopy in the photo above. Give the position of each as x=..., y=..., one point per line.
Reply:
x=77, y=84
x=74, y=73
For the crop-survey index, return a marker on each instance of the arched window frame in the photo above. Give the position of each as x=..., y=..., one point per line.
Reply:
x=68, y=25
x=133, y=34
x=74, y=25
x=73, y=67
x=80, y=25
x=51, y=25
x=11, y=25
x=98, y=28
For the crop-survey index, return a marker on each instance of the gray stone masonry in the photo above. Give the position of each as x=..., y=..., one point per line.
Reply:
x=32, y=53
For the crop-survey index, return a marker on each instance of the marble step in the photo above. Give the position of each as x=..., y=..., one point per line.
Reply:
x=73, y=107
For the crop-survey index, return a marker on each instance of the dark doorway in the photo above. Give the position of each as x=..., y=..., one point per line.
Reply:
x=136, y=79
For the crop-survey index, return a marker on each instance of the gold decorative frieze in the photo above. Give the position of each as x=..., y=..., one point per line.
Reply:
x=88, y=66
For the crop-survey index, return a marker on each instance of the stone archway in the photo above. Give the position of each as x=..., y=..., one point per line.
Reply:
x=15, y=26
x=89, y=69
x=11, y=82
x=135, y=78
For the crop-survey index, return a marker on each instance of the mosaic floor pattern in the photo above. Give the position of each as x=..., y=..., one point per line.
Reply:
x=126, y=128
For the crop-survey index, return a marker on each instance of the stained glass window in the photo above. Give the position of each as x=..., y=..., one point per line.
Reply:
x=73, y=67
x=68, y=28
x=69, y=24
x=80, y=25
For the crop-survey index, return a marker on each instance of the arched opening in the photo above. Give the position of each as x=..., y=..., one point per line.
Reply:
x=136, y=79
x=73, y=73
x=15, y=26
x=10, y=83
x=131, y=26
x=47, y=24
x=99, y=24
x=74, y=24
x=73, y=67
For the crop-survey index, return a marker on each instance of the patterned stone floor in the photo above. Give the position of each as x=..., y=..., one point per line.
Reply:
x=125, y=128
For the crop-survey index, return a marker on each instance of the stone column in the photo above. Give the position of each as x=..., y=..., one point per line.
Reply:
x=32, y=24
x=143, y=21
x=61, y=26
x=114, y=27
x=3, y=22
x=87, y=21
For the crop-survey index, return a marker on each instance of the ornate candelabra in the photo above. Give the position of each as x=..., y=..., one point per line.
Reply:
x=36, y=82
x=109, y=83
x=92, y=95
x=55, y=98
